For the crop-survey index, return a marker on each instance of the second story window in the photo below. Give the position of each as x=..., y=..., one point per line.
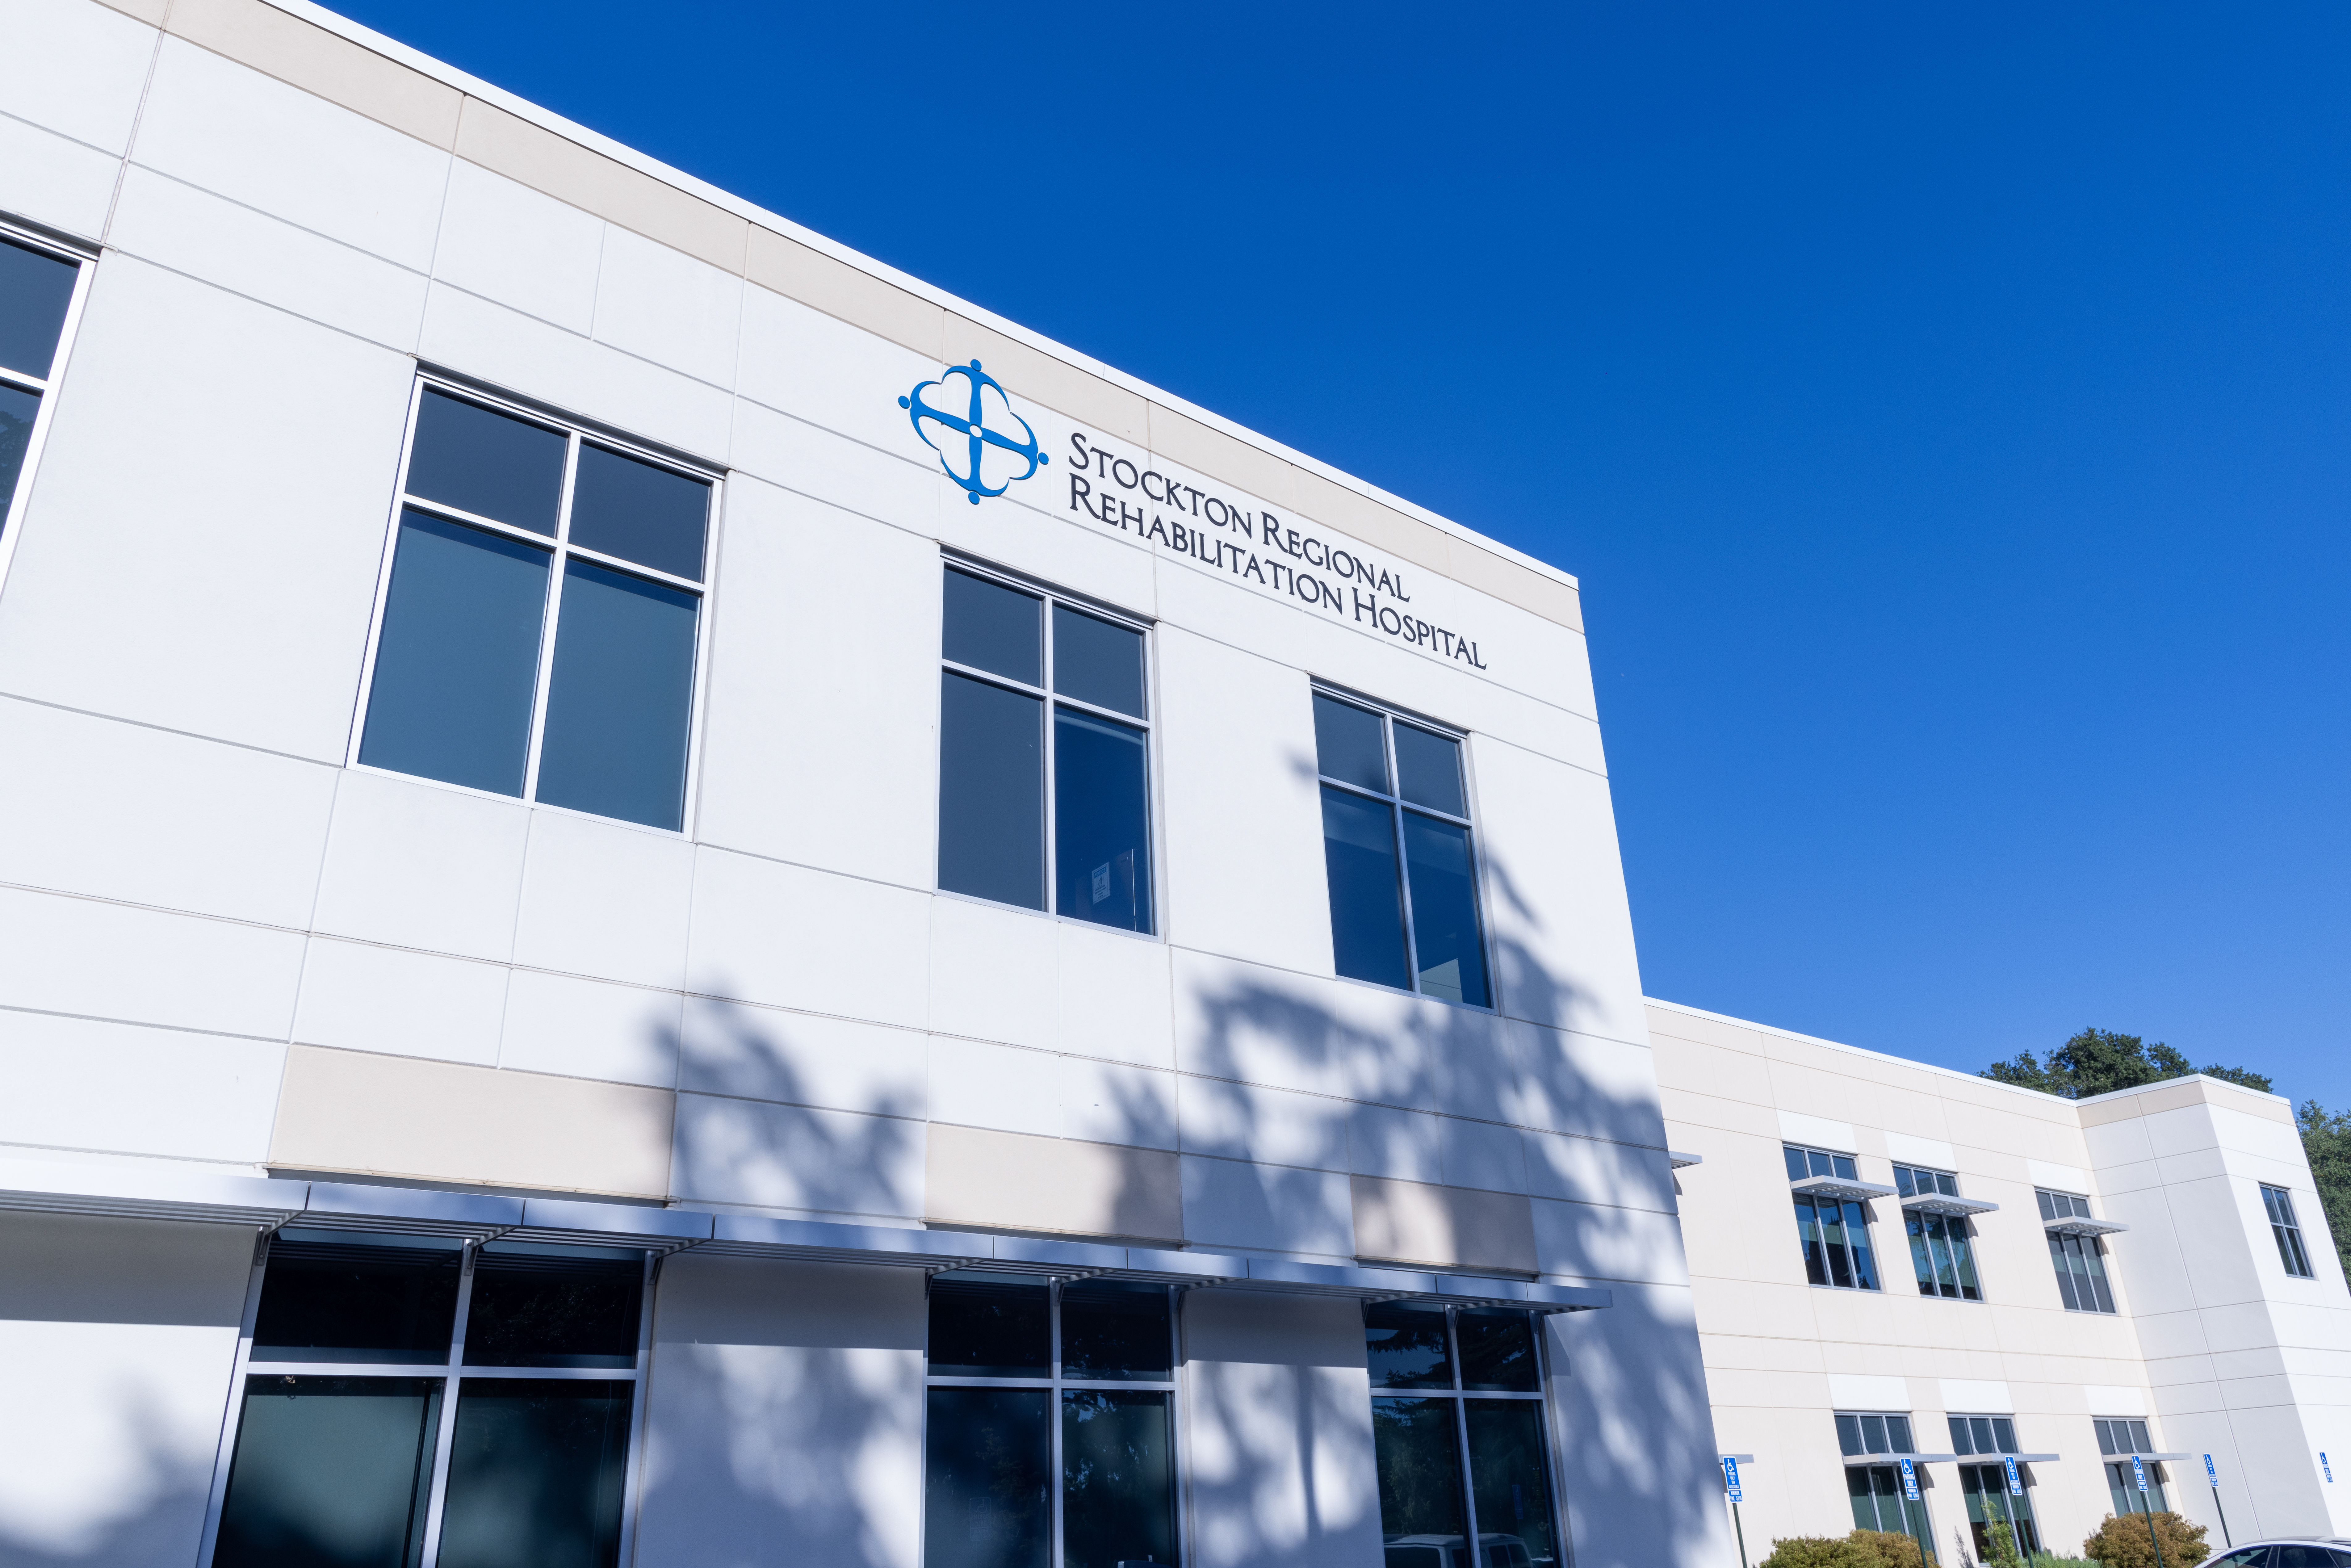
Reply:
x=2288, y=1234
x=1398, y=848
x=37, y=295
x=541, y=617
x=1044, y=754
x=1935, y=1218
x=2076, y=1251
x=1833, y=1217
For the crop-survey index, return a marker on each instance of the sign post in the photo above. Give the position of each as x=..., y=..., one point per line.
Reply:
x=2015, y=1491
x=1731, y=1481
x=1910, y=1494
x=2213, y=1476
x=2138, y=1474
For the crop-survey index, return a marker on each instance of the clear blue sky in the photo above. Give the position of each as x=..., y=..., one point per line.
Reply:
x=1944, y=408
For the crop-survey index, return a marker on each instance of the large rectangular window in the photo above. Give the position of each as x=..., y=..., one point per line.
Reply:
x=1939, y=1250
x=1044, y=754
x=2120, y=1438
x=541, y=614
x=2075, y=1252
x=1457, y=1434
x=1399, y=853
x=1992, y=1506
x=1833, y=1218
x=346, y=1452
x=38, y=285
x=1048, y=1436
x=1874, y=1444
x=2287, y=1232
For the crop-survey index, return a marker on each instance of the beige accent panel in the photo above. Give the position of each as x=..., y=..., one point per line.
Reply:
x=1017, y=1181
x=1196, y=445
x=1443, y=1227
x=317, y=61
x=1056, y=383
x=1375, y=525
x=397, y=1116
x=148, y=11
x=1514, y=584
x=589, y=180
x=837, y=288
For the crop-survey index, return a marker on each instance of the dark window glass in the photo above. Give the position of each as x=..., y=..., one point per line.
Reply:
x=1796, y=1168
x=1902, y=1181
x=1347, y=744
x=1898, y=1435
x=2093, y=1286
x=1849, y=1435
x=989, y=1330
x=1961, y=1442
x=1097, y=662
x=1862, y=1496
x=654, y=517
x=1115, y=1333
x=2048, y=1210
x=1101, y=820
x=34, y=291
x=1447, y=943
x=456, y=666
x=1118, y=1478
x=1507, y=1482
x=2064, y=1265
x=2141, y=1442
x=487, y=463
x=1842, y=1166
x=535, y=1309
x=2003, y=1435
x=331, y=1301
x=991, y=792
x=1808, y=1241
x=536, y=1471
x=1417, y=1449
x=1820, y=1163
x=18, y=408
x=1980, y=1428
x=1407, y=1348
x=1498, y=1352
x=1428, y=770
x=1833, y=1242
x=1872, y=1435
x=330, y=1472
x=1366, y=914
x=620, y=697
x=993, y=628
x=988, y=1470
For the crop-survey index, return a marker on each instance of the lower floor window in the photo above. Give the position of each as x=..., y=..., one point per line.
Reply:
x=1462, y=1455
x=1992, y=1507
x=1880, y=1503
x=1049, y=1426
x=2122, y=1490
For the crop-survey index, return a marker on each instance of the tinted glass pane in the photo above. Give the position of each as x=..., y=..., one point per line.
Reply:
x=1428, y=770
x=1116, y=1333
x=487, y=463
x=1833, y=1243
x=1922, y=1257
x=1097, y=662
x=1872, y=1435
x=1506, y=1480
x=1407, y=1348
x=989, y=1330
x=1856, y=1230
x=2048, y=1211
x=2140, y=1441
x=1980, y=1432
x=1366, y=912
x=993, y=628
x=34, y=291
x=1795, y=1158
x=991, y=792
x=1843, y=1165
x=1118, y=1480
x=988, y=1469
x=620, y=699
x=1420, y=1456
x=2003, y=1436
x=17, y=409
x=1808, y=1239
x=1101, y=821
x=536, y=1470
x=651, y=516
x=1819, y=1162
x=1902, y=1181
x=1898, y=1435
x=1849, y=1435
x=1961, y=1442
x=326, y=1302
x=1347, y=744
x=533, y=1310
x=457, y=664
x=2064, y=1269
x=330, y=1472
x=1865, y=1503
x=1498, y=1351
x=1446, y=942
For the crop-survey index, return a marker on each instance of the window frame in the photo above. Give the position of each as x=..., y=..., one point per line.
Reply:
x=577, y=433
x=1389, y=715
x=2287, y=1232
x=2115, y=1462
x=1177, y=1450
x=451, y=1372
x=1877, y=1284
x=952, y=560
x=1889, y=1459
x=1957, y=1240
x=2054, y=1204
x=85, y=258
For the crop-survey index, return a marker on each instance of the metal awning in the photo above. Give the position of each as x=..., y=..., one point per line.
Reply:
x=1854, y=1461
x=1682, y=1159
x=1839, y=1188
x=268, y=1202
x=2074, y=1224
x=2150, y=1458
x=1943, y=1202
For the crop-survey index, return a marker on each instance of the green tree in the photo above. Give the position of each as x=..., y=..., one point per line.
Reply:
x=2099, y=1061
x=2326, y=1140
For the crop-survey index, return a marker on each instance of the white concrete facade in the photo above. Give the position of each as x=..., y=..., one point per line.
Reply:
x=230, y=953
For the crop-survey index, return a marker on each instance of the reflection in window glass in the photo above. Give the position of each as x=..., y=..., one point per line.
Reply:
x=1407, y=1347
x=987, y=1475
x=1118, y=1478
x=1359, y=858
x=35, y=288
x=1498, y=1351
x=1347, y=745
x=654, y=517
x=1506, y=1468
x=325, y=1300
x=986, y=1329
x=330, y=1471
x=1429, y=769
x=536, y=1471
x=1447, y=943
x=1417, y=1448
x=620, y=699
x=991, y=792
x=18, y=408
x=487, y=463
x=1469, y=1361
x=990, y=627
x=1097, y=662
x=1116, y=1333
x=533, y=1308
x=1101, y=820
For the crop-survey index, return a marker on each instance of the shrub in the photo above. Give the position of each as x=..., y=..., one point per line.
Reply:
x=1890, y=1547
x=2050, y=1560
x=2123, y=1543
x=1820, y=1552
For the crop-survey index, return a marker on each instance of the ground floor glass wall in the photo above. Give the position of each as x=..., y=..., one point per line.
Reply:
x=1879, y=1503
x=1992, y=1507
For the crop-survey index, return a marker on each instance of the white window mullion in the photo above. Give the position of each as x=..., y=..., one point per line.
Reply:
x=444, y=1433
x=554, y=609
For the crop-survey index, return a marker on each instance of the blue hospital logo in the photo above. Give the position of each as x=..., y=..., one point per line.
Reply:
x=974, y=448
